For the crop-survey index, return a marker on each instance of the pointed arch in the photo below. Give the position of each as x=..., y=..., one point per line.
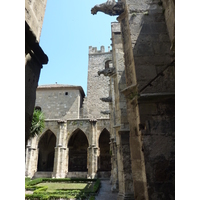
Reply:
x=104, y=160
x=104, y=130
x=77, y=145
x=74, y=134
x=46, y=146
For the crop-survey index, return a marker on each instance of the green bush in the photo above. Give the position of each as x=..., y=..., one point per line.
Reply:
x=96, y=186
x=34, y=182
x=41, y=189
x=92, y=198
x=27, y=179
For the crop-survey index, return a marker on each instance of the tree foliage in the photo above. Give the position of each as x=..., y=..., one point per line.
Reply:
x=37, y=124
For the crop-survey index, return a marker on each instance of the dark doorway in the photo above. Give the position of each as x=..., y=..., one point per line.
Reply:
x=46, y=147
x=104, y=157
x=78, y=145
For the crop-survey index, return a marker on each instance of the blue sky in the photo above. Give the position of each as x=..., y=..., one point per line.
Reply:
x=68, y=30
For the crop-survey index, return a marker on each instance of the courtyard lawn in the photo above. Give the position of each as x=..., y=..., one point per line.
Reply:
x=52, y=187
x=48, y=188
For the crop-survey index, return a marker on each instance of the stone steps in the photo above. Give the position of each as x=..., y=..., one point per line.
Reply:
x=42, y=175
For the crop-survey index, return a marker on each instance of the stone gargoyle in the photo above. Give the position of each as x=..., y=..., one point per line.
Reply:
x=110, y=7
x=107, y=71
x=108, y=99
x=105, y=112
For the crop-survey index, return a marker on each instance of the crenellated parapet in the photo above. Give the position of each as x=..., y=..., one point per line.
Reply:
x=107, y=71
x=110, y=8
x=93, y=50
x=108, y=99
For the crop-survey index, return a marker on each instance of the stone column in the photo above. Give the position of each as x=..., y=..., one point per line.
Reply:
x=93, y=152
x=125, y=173
x=66, y=161
x=31, y=156
x=27, y=164
x=60, y=151
x=114, y=170
x=92, y=161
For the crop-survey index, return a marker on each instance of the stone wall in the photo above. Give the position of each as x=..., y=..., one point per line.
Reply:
x=122, y=181
x=34, y=15
x=60, y=101
x=149, y=66
x=169, y=12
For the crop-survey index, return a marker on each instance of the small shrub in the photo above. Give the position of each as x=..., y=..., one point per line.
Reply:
x=34, y=182
x=92, y=198
x=96, y=186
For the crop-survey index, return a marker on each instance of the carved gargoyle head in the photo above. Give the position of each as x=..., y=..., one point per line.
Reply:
x=107, y=71
x=94, y=10
x=110, y=8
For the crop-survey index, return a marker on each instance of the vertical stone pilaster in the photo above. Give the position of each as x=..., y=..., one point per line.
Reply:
x=126, y=181
x=66, y=161
x=56, y=163
x=93, y=152
x=92, y=161
x=31, y=158
x=114, y=170
x=28, y=161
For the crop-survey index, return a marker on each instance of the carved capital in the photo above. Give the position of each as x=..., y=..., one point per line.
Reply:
x=107, y=71
x=108, y=99
x=110, y=8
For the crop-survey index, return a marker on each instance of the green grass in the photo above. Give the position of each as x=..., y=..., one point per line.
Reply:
x=52, y=187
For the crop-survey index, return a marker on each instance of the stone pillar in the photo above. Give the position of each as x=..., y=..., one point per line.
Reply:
x=125, y=173
x=31, y=158
x=93, y=152
x=27, y=164
x=114, y=170
x=66, y=161
x=92, y=161
x=60, y=151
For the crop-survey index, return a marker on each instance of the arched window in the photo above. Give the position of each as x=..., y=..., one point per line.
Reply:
x=107, y=63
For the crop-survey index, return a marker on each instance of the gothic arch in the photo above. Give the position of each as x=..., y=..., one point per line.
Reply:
x=41, y=135
x=69, y=135
x=104, y=129
x=104, y=160
x=78, y=147
x=46, y=146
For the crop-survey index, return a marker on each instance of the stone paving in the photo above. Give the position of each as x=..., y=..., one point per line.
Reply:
x=105, y=192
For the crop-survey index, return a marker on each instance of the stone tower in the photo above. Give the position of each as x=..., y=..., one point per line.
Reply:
x=93, y=106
